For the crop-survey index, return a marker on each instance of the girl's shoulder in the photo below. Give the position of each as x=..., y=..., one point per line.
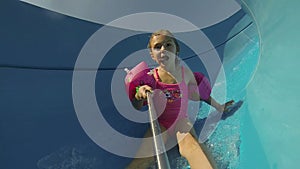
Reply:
x=189, y=75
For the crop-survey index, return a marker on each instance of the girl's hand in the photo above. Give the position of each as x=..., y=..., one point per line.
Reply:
x=141, y=93
x=224, y=107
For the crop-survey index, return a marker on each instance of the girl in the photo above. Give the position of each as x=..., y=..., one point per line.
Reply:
x=179, y=85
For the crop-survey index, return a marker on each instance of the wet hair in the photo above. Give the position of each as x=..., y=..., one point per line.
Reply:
x=165, y=33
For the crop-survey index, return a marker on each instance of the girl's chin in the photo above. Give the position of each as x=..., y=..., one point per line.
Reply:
x=162, y=63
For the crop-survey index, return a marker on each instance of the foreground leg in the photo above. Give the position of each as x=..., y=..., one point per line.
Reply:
x=202, y=153
x=191, y=150
x=146, y=148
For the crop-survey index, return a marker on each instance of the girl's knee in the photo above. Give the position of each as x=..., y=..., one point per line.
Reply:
x=184, y=126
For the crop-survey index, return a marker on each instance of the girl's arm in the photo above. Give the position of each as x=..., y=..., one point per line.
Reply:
x=192, y=86
x=211, y=101
x=194, y=92
x=137, y=104
x=220, y=108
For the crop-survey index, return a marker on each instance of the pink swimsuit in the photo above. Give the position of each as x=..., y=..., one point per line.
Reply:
x=177, y=101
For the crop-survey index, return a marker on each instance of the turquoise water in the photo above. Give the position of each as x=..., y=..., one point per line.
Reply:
x=265, y=76
x=239, y=67
x=226, y=141
x=241, y=58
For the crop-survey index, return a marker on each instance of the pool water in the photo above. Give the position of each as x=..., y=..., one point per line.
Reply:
x=225, y=142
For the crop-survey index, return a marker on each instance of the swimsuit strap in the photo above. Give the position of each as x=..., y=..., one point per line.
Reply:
x=156, y=72
x=182, y=73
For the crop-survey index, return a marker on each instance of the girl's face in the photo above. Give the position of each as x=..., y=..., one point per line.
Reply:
x=163, y=50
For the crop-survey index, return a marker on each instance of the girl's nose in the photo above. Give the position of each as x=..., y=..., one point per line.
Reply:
x=163, y=50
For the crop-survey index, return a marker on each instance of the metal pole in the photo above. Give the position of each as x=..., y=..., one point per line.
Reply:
x=159, y=146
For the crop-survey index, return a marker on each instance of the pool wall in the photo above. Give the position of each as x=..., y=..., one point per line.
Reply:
x=270, y=131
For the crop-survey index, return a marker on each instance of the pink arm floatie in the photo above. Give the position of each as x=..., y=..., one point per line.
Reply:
x=138, y=76
x=204, y=86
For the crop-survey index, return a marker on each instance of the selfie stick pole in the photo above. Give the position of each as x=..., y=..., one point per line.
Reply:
x=159, y=146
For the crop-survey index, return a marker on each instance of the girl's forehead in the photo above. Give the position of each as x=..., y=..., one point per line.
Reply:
x=161, y=38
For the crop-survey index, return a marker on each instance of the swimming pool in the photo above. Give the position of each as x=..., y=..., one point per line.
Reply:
x=239, y=66
x=239, y=69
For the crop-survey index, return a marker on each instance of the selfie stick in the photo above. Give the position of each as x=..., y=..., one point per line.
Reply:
x=159, y=146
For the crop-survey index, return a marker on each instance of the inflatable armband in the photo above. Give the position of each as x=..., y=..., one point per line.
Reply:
x=204, y=86
x=138, y=76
